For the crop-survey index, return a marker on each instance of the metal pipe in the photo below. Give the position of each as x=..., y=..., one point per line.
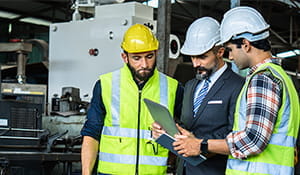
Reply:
x=0, y=82
x=291, y=29
x=234, y=3
x=21, y=66
x=296, y=74
x=299, y=64
x=20, y=138
x=279, y=37
x=22, y=129
x=200, y=9
x=295, y=43
x=110, y=1
x=43, y=45
x=163, y=34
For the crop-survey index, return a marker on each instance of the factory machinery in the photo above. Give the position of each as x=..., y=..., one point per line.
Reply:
x=26, y=147
x=40, y=123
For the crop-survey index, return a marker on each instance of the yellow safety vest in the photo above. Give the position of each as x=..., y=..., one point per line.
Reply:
x=278, y=157
x=126, y=146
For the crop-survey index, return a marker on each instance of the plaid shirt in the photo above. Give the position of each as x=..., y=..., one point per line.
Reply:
x=263, y=103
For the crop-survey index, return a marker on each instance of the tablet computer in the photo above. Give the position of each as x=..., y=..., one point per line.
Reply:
x=162, y=116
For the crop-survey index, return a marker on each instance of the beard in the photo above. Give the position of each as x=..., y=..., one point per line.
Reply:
x=141, y=74
x=204, y=73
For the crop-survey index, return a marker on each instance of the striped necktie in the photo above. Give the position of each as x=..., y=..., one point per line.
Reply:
x=201, y=95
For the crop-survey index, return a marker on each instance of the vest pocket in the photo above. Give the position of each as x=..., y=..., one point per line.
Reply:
x=117, y=144
x=152, y=147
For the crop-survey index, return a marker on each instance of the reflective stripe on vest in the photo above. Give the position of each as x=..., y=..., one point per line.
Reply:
x=282, y=140
x=118, y=142
x=131, y=159
x=115, y=97
x=251, y=167
x=125, y=132
x=163, y=89
x=277, y=158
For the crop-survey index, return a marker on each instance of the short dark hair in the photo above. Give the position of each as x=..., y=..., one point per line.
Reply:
x=263, y=44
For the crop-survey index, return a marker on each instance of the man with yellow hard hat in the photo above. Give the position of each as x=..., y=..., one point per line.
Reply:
x=117, y=129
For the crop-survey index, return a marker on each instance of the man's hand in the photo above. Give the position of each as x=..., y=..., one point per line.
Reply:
x=187, y=146
x=157, y=130
x=184, y=132
x=186, y=143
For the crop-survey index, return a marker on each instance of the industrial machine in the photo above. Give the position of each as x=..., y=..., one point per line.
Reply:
x=91, y=47
x=79, y=51
x=20, y=90
x=22, y=108
x=21, y=104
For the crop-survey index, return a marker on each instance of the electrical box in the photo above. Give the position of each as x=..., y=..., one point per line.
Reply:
x=80, y=51
x=19, y=119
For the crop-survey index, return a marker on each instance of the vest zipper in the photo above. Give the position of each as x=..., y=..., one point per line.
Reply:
x=138, y=135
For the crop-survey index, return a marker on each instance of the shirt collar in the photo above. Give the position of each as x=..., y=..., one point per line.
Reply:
x=213, y=78
x=269, y=60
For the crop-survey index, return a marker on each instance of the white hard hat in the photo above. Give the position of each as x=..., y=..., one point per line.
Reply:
x=202, y=35
x=240, y=20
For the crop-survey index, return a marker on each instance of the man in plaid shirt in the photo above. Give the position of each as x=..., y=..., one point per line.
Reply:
x=267, y=114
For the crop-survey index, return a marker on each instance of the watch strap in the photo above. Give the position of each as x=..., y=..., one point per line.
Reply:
x=204, y=146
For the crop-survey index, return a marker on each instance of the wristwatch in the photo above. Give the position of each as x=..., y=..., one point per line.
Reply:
x=204, y=146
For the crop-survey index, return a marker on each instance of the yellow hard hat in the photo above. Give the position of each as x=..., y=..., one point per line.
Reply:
x=139, y=38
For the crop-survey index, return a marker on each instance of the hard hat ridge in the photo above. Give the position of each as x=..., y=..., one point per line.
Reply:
x=202, y=35
x=241, y=20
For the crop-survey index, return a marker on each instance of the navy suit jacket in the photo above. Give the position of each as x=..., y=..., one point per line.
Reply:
x=214, y=119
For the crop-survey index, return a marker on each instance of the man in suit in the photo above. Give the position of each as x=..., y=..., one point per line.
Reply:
x=209, y=99
x=267, y=117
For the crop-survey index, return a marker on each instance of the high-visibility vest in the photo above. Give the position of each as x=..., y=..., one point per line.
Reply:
x=278, y=157
x=126, y=146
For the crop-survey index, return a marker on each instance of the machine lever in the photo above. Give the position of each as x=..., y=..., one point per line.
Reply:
x=52, y=139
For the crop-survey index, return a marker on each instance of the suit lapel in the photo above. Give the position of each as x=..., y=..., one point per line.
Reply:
x=211, y=93
x=190, y=117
